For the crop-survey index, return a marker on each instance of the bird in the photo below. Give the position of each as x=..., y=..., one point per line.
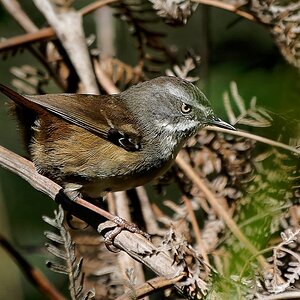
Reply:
x=93, y=144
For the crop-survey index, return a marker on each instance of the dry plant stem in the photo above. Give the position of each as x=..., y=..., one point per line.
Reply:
x=143, y=251
x=95, y=209
x=95, y=5
x=295, y=218
x=26, y=39
x=285, y=295
x=105, y=31
x=214, y=202
x=69, y=29
x=148, y=215
x=111, y=205
x=227, y=6
x=33, y=275
x=25, y=22
x=14, y=8
x=196, y=229
x=126, y=262
x=134, y=244
x=255, y=137
x=44, y=33
x=150, y=287
x=104, y=80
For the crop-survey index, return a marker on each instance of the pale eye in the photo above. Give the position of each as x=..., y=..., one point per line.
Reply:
x=185, y=108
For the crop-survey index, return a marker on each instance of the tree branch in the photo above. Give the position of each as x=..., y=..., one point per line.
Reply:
x=150, y=286
x=48, y=32
x=255, y=138
x=229, y=7
x=135, y=245
x=33, y=275
x=214, y=202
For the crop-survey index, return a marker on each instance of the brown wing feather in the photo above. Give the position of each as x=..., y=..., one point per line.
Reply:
x=101, y=115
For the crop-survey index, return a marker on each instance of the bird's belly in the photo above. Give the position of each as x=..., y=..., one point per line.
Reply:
x=99, y=187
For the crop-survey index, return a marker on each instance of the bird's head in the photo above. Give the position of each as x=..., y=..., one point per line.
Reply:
x=172, y=105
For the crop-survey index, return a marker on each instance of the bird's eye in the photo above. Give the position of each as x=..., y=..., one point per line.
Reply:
x=185, y=108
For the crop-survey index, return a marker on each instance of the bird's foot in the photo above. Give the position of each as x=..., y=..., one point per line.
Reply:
x=72, y=191
x=122, y=224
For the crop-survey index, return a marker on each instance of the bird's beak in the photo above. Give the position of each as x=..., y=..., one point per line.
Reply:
x=218, y=122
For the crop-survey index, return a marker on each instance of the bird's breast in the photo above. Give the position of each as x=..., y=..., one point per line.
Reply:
x=137, y=175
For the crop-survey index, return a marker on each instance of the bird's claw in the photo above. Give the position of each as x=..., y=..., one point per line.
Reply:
x=122, y=224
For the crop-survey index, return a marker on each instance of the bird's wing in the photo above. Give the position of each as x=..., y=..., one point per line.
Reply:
x=105, y=116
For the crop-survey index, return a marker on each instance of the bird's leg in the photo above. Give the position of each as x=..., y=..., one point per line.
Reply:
x=72, y=191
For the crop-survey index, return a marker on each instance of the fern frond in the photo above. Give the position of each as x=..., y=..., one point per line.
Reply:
x=280, y=253
x=57, y=268
x=141, y=17
x=183, y=71
x=29, y=80
x=122, y=74
x=253, y=115
x=174, y=12
x=63, y=247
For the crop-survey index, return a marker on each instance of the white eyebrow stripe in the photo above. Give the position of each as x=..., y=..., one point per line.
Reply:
x=175, y=91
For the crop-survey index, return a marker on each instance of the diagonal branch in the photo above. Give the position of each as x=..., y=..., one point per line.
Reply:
x=69, y=30
x=229, y=7
x=44, y=33
x=34, y=275
x=214, y=202
x=150, y=286
x=15, y=9
x=255, y=138
x=135, y=245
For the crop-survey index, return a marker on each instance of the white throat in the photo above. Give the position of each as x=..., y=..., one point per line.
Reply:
x=173, y=136
x=178, y=127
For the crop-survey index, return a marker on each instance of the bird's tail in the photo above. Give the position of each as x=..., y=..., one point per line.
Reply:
x=19, y=99
x=24, y=110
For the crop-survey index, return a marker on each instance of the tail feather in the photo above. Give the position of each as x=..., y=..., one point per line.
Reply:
x=24, y=110
x=20, y=99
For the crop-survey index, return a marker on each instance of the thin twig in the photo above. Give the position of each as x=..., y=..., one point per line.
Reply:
x=111, y=205
x=255, y=137
x=105, y=81
x=124, y=261
x=229, y=7
x=151, y=286
x=95, y=5
x=148, y=215
x=295, y=216
x=68, y=27
x=48, y=32
x=214, y=202
x=285, y=295
x=196, y=229
x=33, y=275
x=16, y=11
x=26, y=39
